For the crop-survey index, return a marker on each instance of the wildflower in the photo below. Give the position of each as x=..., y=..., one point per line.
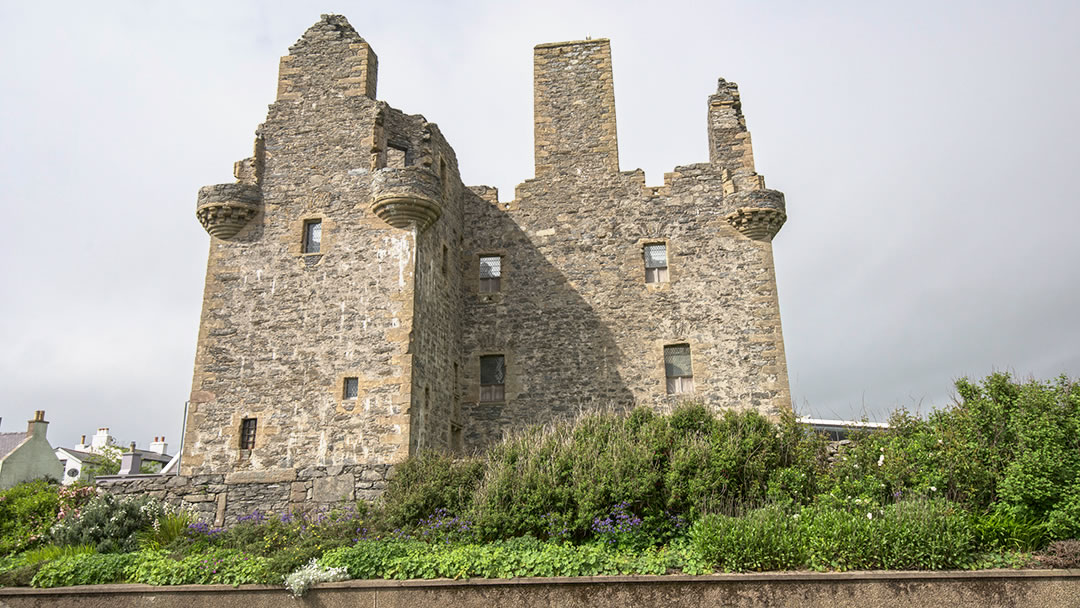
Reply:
x=881, y=460
x=869, y=516
x=933, y=488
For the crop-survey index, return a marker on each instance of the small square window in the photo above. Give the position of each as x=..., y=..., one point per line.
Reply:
x=677, y=368
x=490, y=273
x=247, y=433
x=312, y=236
x=351, y=389
x=656, y=264
x=492, y=378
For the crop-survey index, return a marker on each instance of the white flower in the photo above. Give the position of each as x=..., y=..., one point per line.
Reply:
x=880, y=460
x=869, y=516
x=933, y=488
x=856, y=465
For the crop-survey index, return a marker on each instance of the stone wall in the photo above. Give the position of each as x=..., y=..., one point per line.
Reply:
x=221, y=499
x=391, y=303
x=575, y=319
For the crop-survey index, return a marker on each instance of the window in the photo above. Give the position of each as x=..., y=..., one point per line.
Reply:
x=490, y=273
x=680, y=375
x=492, y=378
x=656, y=268
x=312, y=236
x=247, y=433
x=445, y=254
x=351, y=389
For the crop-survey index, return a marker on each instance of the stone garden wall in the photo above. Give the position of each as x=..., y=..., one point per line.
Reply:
x=223, y=499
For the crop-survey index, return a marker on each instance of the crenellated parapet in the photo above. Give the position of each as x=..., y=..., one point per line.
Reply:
x=406, y=197
x=758, y=214
x=224, y=209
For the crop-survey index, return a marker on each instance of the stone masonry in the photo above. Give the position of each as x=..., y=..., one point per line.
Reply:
x=347, y=312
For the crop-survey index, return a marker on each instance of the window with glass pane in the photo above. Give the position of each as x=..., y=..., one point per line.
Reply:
x=490, y=273
x=352, y=388
x=656, y=265
x=492, y=378
x=247, y=433
x=680, y=375
x=312, y=236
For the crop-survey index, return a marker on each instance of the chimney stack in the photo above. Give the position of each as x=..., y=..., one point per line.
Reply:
x=131, y=462
x=38, y=425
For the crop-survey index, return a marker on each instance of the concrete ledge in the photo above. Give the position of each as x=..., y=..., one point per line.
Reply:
x=955, y=589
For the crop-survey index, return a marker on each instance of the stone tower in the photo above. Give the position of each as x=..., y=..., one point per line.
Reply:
x=362, y=304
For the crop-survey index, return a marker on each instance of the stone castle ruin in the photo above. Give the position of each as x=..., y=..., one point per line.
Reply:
x=362, y=304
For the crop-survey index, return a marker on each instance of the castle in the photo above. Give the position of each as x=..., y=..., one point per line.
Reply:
x=362, y=304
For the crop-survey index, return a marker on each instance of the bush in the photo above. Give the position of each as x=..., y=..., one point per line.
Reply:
x=428, y=481
x=907, y=535
x=27, y=511
x=1061, y=554
x=109, y=523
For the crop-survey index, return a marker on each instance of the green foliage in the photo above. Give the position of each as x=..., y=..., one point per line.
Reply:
x=27, y=511
x=167, y=529
x=214, y=567
x=85, y=569
x=429, y=481
x=660, y=467
x=522, y=556
x=108, y=522
x=907, y=535
x=46, y=553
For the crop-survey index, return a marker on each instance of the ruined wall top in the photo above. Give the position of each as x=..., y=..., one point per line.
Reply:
x=330, y=59
x=574, y=109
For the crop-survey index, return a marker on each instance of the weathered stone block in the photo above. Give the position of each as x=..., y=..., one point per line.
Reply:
x=333, y=489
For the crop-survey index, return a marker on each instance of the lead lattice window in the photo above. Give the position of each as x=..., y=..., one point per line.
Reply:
x=492, y=378
x=490, y=273
x=656, y=264
x=678, y=369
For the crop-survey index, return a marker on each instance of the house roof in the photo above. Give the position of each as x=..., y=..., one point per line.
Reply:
x=146, y=455
x=9, y=441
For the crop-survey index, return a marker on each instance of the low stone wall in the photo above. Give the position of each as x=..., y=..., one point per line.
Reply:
x=223, y=499
x=982, y=589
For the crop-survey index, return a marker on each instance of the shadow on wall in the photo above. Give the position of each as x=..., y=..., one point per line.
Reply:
x=561, y=359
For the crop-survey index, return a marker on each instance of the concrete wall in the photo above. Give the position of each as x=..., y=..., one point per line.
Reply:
x=984, y=589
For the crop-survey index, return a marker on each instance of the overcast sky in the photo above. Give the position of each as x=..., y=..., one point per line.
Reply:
x=928, y=151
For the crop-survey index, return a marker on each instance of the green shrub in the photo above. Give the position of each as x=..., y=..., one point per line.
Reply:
x=906, y=535
x=763, y=539
x=428, y=481
x=1002, y=531
x=27, y=511
x=109, y=523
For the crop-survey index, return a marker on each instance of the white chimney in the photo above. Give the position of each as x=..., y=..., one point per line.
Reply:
x=101, y=440
x=158, y=445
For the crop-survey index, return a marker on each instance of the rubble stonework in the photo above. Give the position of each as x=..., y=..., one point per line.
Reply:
x=391, y=296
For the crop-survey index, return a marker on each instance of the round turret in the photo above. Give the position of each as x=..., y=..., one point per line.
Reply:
x=758, y=214
x=224, y=209
x=406, y=197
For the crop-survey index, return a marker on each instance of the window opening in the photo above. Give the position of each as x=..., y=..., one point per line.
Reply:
x=445, y=254
x=312, y=236
x=492, y=378
x=656, y=264
x=490, y=273
x=352, y=388
x=247, y=433
x=677, y=368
